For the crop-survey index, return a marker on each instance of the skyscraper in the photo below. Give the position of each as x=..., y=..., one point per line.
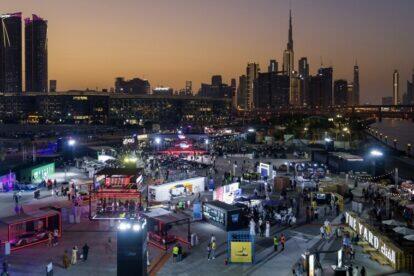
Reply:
x=356, y=85
x=11, y=52
x=303, y=68
x=273, y=66
x=252, y=72
x=52, y=85
x=326, y=85
x=396, y=88
x=36, y=54
x=295, y=96
x=189, y=88
x=350, y=95
x=233, y=87
x=272, y=90
x=341, y=93
x=241, y=92
x=288, y=54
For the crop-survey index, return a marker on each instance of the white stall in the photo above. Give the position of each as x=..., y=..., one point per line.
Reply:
x=171, y=190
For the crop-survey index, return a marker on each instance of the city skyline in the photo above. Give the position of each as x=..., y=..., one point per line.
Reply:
x=165, y=47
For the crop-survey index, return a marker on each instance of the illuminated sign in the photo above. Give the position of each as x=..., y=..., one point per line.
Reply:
x=241, y=252
x=80, y=98
x=128, y=141
x=371, y=238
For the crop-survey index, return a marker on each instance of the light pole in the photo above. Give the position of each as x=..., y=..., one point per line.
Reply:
x=375, y=154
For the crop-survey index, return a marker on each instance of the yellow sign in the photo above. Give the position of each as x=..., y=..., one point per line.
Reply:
x=241, y=252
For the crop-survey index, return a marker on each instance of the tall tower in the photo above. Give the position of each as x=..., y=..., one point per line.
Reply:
x=252, y=72
x=11, y=52
x=36, y=54
x=303, y=67
x=288, y=54
x=356, y=85
x=396, y=88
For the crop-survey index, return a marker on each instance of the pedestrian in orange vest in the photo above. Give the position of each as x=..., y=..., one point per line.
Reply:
x=282, y=241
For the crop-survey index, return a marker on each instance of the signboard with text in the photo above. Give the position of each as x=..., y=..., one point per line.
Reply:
x=381, y=243
x=241, y=252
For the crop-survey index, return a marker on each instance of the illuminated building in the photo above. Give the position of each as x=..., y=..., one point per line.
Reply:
x=341, y=93
x=288, y=54
x=396, y=88
x=89, y=107
x=36, y=54
x=252, y=72
x=356, y=85
x=11, y=52
x=163, y=91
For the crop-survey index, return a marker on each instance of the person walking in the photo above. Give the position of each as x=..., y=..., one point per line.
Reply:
x=283, y=241
x=74, y=259
x=108, y=246
x=275, y=243
x=208, y=251
x=175, y=253
x=213, y=250
x=85, y=251
x=49, y=239
x=180, y=252
x=66, y=262
x=267, y=229
x=363, y=272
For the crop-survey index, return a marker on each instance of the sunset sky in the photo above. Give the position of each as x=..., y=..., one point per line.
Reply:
x=170, y=41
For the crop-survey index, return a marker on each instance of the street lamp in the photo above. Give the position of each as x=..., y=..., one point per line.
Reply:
x=375, y=154
x=251, y=130
x=71, y=142
x=157, y=140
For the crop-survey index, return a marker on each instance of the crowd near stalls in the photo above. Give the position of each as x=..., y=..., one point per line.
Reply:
x=116, y=194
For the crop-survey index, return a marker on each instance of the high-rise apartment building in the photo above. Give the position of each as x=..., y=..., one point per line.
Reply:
x=272, y=90
x=341, y=93
x=242, y=92
x=396, y=88
x=303, y=68
x=11, y=52
x=36, y=54
x=52, y=85
x=252, y=72
x=326, y=75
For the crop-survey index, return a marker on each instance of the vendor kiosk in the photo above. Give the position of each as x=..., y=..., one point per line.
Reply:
x=28, y=229
x=161, y=228
x=171, y=190
x=223, y=215
x=116, y=194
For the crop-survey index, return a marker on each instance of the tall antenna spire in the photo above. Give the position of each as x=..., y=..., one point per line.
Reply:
x=290, y=41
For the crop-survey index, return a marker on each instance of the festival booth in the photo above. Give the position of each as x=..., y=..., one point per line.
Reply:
x=183, y=147
x=161, y=223
x=37, y=174
x=7, y=182
x=116, y=194
x=386, y=250
x=171, y=190
x=25, y=230
x=223, y=215
x=266, y=171
x=227, y=193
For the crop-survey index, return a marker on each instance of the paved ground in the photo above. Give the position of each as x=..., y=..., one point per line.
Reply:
x=102, y=257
